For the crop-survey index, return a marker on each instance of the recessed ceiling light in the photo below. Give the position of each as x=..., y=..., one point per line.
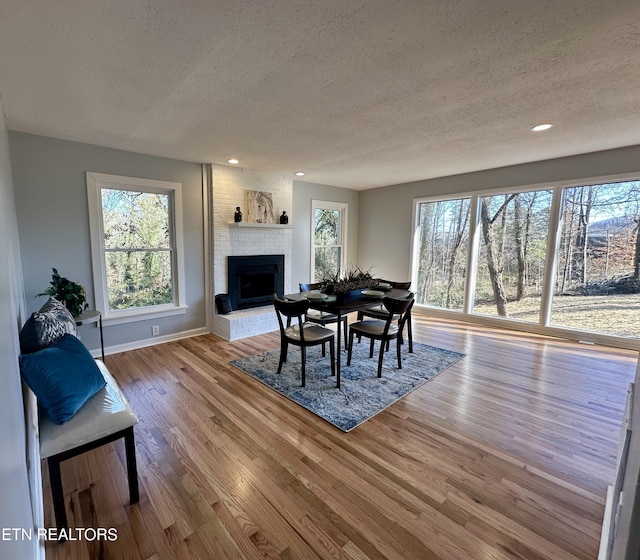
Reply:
x=233, y=161
x=299, y=173
x=541, y=127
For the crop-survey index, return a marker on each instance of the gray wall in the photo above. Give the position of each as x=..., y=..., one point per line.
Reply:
x=14, y=478
x=303, y=194
x=386, y=221
x=53, y=223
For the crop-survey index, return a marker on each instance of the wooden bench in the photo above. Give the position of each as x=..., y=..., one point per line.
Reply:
x=104, y=418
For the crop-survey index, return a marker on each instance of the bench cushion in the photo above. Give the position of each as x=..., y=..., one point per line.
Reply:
x=106, y=413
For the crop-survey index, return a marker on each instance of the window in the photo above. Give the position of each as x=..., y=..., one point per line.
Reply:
x=328, y=235
x=563, y=258
x=136, y=246
x=513, y=230
x=597, y=277
x=442, y=243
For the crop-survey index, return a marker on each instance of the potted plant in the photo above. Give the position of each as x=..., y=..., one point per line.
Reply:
x=71, y=294
x=349, y=282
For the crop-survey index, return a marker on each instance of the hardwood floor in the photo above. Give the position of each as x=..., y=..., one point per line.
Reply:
x=506, y=454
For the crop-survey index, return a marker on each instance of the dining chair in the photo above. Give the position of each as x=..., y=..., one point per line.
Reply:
x=302, y=333
x=379, y=312
x=322, y=317
x=383, y=330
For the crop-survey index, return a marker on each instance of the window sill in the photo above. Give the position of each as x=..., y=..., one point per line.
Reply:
x=142, y=315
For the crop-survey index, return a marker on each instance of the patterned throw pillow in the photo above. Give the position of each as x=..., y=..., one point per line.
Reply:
x=62, y=314
x=46, y=326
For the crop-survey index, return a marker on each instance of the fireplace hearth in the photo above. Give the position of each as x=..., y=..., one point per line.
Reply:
x=253, y=279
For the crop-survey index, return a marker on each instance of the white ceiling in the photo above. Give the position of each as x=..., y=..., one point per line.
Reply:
x=355, y=93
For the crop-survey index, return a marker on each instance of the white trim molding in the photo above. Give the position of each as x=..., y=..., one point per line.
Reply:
x=341, y=207
x=97, y=353
x=95, y=183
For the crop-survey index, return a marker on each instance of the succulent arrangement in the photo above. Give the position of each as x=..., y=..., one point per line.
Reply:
x=354, y=279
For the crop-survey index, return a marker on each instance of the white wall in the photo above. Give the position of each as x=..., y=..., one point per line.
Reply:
x=15, y=510
x=386, y=213
x=53, y=223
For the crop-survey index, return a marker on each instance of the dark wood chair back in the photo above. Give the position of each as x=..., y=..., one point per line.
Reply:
x=290, y=310
x=310, y=287
x=397, y=308
x=398, y=285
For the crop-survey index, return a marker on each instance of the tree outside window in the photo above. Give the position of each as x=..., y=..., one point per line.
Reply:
x=328, y=239
x=136, y=245
x=576, y=267
x=138, y=248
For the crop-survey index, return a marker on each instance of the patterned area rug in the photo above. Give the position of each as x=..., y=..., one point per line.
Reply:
x=361, y=395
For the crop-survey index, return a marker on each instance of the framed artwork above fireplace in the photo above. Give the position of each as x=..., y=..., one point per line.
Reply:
x=259, y=207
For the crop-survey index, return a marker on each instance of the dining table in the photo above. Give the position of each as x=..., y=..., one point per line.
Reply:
x=343, y=306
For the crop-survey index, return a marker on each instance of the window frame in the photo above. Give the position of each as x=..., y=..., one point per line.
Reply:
x=544, y=325
x=343, y=208
x=95, y=183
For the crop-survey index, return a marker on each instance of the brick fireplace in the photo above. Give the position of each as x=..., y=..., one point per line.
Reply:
x=230, y=239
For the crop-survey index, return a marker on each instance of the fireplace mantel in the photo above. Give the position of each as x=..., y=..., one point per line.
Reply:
x=256, y=225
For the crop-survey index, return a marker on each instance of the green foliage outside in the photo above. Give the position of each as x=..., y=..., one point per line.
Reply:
x=328, y=253
x=138, y=246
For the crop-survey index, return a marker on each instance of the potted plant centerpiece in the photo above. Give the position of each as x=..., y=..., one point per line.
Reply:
x=349, y=283
x=71, y=294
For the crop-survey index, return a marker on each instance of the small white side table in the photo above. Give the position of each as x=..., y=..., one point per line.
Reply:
x=92, y=316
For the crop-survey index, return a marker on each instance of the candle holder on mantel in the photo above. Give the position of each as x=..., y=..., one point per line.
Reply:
x=237, y=217
x=284, y=219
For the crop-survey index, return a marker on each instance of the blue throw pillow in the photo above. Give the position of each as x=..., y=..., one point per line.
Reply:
x=63, y=376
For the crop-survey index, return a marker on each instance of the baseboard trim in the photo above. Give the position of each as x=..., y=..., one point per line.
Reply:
x=96, y=353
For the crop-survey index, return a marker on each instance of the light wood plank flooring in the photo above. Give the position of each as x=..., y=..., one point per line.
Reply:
x=506, y=454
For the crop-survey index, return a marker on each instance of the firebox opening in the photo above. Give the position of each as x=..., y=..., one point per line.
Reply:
x=252, y=280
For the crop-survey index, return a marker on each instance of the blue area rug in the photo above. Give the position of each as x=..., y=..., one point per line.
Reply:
x=362, y=394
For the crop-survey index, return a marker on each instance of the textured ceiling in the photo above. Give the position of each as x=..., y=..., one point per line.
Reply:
x=355, y=93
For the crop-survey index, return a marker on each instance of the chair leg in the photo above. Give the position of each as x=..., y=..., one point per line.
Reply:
x=324, y=349
x=350, y=348
x=399, y=353
x=57, y=493
x=303, y=351
x=284, y=346
x=381, y=356
x=132, y=470
x=332, y=354
x=371, y=348
x=344, y=323
x=409, y=333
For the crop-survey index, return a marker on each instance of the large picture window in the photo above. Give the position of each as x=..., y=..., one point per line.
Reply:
x=561, y=257
x=136, y=245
